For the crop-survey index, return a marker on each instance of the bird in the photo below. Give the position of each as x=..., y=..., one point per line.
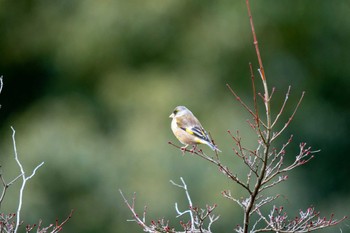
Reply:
x=188, y=130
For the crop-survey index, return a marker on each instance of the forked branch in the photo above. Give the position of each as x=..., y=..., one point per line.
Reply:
x=201, y=220
x=24, y=180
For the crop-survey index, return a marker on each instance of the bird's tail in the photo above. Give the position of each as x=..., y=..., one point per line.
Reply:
x=213, y=147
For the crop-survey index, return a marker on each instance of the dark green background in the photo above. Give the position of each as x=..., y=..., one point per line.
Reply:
x=89, y=86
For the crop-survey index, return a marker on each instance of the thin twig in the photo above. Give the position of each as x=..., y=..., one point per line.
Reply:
x=282, y=108
x=1, y=83
x=184, y=186
x=24, y=179
x=58, y=226
x=244, y=105
x=257, y=118
x=221, y=167
x=290, y=118
x=135, y=215
x=6, y=186
x=261, y=70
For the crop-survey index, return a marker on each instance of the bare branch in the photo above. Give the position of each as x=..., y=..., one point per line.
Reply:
x=261, y=69
x=59, y=226
x=6, y=186
x=275, y=135
x=24, y=179
x=198, y=216
x=307, y=221
x=244, y=105
x=282, y=108
x=227, y=194
x=224, y=169
x=135, y=215
x=1, y=83
x=263, y=202
x=184, y=186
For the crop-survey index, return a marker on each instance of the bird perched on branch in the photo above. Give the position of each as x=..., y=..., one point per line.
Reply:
x=188, y=130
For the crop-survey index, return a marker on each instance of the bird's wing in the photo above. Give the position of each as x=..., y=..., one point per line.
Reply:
x=192, y=126
x=198, y=132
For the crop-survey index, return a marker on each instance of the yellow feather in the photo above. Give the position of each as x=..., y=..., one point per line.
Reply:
x=197, y=140
x=189, y=131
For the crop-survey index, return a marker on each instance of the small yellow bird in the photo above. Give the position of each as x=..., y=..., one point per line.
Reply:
x=188, y=130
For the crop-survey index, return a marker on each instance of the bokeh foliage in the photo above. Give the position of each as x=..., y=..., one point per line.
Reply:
x=89, y=86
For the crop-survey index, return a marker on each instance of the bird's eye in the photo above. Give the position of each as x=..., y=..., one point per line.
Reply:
x=175, y=111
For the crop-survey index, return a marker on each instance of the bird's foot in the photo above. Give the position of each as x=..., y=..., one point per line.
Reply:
x=193, y=149
x=183, y=149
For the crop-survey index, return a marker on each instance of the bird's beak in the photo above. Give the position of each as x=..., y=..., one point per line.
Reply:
x=172, y=115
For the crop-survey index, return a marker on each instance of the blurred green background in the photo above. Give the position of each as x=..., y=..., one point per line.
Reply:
x=89, y=86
